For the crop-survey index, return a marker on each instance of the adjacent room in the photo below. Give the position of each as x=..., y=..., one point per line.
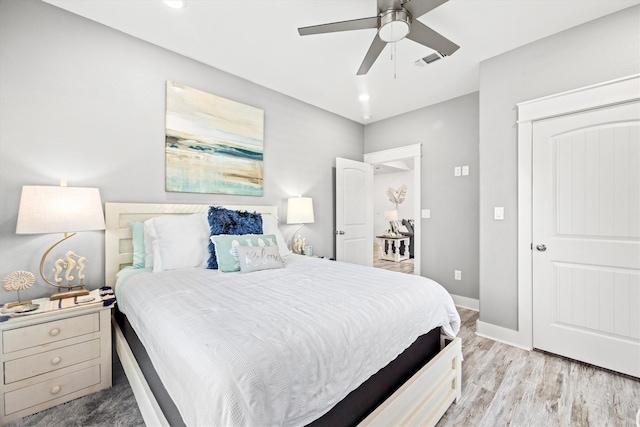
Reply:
x=327, y=213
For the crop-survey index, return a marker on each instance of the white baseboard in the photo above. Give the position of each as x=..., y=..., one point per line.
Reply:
x=465, y=302
x=501, y=334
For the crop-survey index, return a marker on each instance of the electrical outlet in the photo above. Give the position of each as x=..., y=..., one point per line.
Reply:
x=498, y=213
x=457, y=171
x=457, y=274
x=426, y=213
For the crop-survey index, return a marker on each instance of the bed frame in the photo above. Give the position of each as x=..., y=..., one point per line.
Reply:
x=420, y=400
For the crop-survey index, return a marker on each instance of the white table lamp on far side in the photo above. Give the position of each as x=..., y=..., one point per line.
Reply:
x=299, y=211
x=50, y=209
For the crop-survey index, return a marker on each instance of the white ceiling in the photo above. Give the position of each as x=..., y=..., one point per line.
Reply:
x=258, y=41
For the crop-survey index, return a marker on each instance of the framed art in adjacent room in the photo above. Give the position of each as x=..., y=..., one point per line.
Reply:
x=213, y=144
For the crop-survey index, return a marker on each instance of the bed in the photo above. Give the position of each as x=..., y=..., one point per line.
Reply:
x=402, y=372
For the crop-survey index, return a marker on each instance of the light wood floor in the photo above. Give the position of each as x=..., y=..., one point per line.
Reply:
x=405, y=266
x=507, y=386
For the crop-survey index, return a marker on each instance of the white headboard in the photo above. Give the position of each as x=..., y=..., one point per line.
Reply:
x=118, y=243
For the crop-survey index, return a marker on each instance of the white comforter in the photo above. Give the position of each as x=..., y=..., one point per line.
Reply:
x=277, y=347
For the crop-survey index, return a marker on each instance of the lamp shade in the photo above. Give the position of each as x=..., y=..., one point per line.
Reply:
x=52, y=209
x=391, y=215
x=300, y=210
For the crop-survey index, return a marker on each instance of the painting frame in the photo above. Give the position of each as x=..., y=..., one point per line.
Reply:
x=213, y=144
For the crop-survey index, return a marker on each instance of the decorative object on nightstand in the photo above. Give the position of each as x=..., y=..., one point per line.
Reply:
x=50, y=209
x=299, y=211
x=17, y=281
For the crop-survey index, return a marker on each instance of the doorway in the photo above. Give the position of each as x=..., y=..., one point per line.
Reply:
x=392, y=169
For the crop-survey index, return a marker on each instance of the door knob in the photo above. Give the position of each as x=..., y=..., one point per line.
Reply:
x=541, y=248
x=339, y=232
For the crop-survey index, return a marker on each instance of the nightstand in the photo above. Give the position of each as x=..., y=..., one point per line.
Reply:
x=390, y=248
x=54, y=355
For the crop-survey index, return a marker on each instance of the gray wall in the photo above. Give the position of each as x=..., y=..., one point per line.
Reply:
x=86, y=103
x=598, y=51
x=448, y=133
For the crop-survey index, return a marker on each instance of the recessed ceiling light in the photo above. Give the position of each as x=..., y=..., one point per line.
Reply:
x=176, y=4
x=364, y=97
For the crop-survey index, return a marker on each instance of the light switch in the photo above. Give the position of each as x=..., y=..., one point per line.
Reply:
x=457, y=171
x=498, y=213
x=426, y=213
x=465, y=170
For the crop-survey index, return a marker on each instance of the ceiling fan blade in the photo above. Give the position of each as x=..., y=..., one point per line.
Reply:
x=354, y=24
x=417, y=8
x=424, y=35
x=374, y=51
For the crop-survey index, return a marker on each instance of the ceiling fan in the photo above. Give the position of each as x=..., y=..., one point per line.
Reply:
x=396, y=20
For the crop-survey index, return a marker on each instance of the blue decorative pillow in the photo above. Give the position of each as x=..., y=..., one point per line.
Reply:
x=226, y=221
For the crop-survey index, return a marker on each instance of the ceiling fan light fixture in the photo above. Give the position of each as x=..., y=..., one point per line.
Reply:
x=394, y=25
x=176, y=4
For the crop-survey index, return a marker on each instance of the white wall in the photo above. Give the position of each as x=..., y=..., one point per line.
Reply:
x=598, y=51
x=84, y=102
x=381, y=201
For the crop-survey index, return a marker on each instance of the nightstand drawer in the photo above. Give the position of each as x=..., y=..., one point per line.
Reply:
x=44, y=333
x=36, y=394
x=27, y=367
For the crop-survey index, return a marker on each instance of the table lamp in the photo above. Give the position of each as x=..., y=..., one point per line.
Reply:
x=299, y=211
x=51, y=209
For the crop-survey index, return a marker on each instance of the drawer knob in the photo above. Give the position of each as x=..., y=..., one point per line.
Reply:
x=55, y=389
x=55, y=360
x=54, y=332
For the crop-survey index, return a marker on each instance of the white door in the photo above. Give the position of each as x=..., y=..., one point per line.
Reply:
x=354, y=212
x=586, y=237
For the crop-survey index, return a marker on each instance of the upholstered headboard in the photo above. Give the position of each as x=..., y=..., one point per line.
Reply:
x=118, y=243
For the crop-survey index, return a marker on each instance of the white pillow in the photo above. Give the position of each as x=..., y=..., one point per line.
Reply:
x=270, y=226
x=178, y=241
x=148, y=247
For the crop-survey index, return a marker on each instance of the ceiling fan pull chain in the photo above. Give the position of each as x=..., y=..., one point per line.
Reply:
x=392, y=50
x=395, y=60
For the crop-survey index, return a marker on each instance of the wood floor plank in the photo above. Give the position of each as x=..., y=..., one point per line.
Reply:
x=405, y=266
x=551, y=388
x=508, y=386
x=626, y=399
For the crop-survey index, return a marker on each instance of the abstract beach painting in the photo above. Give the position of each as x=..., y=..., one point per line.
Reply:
x=213, y=144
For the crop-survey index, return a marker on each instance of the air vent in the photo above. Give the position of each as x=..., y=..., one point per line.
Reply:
x=429, y=59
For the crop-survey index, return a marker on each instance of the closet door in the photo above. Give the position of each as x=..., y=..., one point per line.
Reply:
x=586, y=237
